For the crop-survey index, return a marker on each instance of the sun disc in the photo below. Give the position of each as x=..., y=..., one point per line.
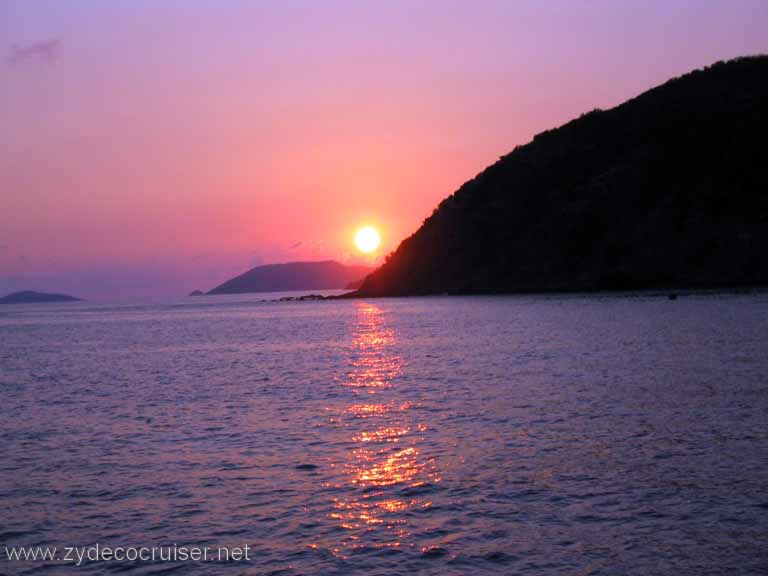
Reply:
x=367, y=239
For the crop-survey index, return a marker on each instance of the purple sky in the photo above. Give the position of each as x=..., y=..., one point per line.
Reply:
x=151, y=148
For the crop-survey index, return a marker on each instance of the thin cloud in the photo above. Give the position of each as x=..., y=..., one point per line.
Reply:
x=46, y=51
x=294, y=246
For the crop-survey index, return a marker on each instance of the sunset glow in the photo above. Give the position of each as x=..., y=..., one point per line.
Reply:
x=375, y=287
x=149, y=149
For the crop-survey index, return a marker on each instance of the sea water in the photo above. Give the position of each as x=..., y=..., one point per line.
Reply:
x=621, y=434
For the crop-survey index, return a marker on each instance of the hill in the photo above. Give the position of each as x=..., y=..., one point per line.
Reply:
x=29, y=297
x=326, y=275
x=669, y=189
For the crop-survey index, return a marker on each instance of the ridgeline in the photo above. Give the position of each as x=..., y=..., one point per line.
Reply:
x=326, y=275
x=31, y=297
x=669, y=189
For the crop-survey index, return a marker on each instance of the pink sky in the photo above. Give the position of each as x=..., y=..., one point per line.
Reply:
x=151, y=148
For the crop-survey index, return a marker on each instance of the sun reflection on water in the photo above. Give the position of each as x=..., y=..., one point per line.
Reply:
x=387, y=473
x=374, y=366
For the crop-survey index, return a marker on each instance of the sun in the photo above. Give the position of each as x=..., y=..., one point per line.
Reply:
x=367, y=239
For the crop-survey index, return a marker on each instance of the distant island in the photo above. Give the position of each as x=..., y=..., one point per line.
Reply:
x=669, y=189
x=30, y=297
x=326, y=275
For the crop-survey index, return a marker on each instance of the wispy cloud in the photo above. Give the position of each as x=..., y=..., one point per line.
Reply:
x=46, y=51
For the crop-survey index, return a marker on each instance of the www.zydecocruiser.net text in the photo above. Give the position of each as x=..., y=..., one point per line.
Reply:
x=79, y=555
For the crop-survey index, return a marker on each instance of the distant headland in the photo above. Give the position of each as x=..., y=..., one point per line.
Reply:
x=669, y=189
x=325, y=275
x=30, y=297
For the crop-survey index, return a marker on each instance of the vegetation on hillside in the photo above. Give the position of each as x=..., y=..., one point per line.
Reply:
x=668, y=189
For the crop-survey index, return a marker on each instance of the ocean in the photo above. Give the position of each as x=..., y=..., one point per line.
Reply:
x=562, y=434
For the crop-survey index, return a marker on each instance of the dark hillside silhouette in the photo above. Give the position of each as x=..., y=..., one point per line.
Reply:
x=668, y=189
x=326, y=275
x=31, y=297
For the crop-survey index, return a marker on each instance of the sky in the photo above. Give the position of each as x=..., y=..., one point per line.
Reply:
x=150, y=148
